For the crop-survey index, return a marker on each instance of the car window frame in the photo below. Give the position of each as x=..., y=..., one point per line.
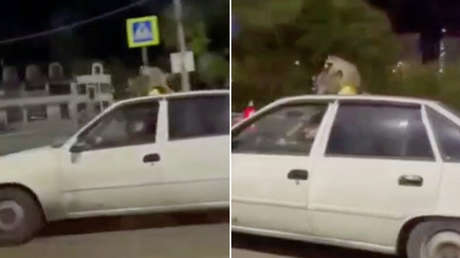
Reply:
x=276, y=106
x=168, y=101
x=424, y=119
x=107, y=113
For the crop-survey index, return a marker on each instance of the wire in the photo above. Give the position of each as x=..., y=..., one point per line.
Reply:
x=72, y=25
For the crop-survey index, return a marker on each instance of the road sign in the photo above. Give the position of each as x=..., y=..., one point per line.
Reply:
x=143, y=32
x=176, y=62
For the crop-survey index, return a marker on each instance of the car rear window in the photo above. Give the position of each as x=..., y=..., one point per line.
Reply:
x=380, y=130
x=204, y=116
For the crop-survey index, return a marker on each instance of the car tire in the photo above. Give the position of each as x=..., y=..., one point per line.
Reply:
x=436, y=239
x=21, y=217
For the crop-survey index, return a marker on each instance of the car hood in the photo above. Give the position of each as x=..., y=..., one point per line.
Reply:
x=29, y=159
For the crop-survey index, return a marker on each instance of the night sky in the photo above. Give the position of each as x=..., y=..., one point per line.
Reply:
x=427, y=17
x=107, y=38
x=100, y=40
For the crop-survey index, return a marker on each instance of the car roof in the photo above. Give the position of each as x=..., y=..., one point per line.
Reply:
x=174, y=95
x=330, y=98
x=376, y=98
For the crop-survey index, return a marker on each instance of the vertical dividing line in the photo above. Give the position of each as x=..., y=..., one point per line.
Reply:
x=230, y=133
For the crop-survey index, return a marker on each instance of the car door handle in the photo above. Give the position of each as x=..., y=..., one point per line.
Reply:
x=411, y=180
x=298, y=174
x=150, y=158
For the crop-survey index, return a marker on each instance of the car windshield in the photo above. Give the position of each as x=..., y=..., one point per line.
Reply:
x=59, y=142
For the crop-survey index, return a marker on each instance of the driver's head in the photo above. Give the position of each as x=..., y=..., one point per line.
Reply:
x=135, y=127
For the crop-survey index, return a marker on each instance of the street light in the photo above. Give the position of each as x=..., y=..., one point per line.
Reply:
x=442, y=52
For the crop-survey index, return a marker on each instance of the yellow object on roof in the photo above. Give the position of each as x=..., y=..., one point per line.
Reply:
x=154, y=92
x=159, y=90
x=348, y=90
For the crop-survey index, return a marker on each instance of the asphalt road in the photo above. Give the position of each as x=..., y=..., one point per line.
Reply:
x=203, y=234
x=249, y=246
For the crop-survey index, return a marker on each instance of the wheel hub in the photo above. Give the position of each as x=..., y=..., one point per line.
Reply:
x=447, y=251
x=443, y=245
x=11, y=215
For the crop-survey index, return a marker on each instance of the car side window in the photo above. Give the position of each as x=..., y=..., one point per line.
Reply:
x=447, y=135
x=198, y=116
x=131, y=124
x=287, y=130
x=381, y=131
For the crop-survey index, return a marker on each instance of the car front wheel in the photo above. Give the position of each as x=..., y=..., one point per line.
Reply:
x=435, y=240
x=20, y=216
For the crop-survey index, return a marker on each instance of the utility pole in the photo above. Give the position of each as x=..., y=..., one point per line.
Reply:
x=185, y=79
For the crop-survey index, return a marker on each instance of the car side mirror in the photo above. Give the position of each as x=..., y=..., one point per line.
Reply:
x=79, y=147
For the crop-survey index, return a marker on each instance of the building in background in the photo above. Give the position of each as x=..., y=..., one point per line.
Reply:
x=53, y=100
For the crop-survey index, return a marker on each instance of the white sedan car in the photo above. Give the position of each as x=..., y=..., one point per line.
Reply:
x=143, y=155
x=366, y=172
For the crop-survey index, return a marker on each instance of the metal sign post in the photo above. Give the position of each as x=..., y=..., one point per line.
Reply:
x=145, y=56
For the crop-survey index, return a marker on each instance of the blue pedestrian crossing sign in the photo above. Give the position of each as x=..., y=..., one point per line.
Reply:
x=143, y=32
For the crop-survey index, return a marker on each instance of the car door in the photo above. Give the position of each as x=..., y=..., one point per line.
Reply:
x=115, y=164
x=445, y=124
x=271, y=167
x=196, y=154
x=380, y=167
